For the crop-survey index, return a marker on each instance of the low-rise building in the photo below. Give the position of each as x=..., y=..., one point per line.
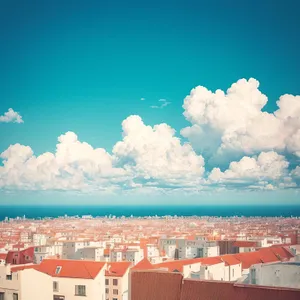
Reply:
x=116, y=280
x=284, y=274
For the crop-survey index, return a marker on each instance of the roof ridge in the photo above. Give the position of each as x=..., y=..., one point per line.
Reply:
x=84, y=264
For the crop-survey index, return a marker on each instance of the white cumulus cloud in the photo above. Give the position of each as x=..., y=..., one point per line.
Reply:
x=155, y=152
x=265, y=170
x=74, y=165
x=11, y=116
x=234, y=121
x=146, y=157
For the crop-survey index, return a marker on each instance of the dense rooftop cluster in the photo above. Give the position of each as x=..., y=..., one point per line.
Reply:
x=97, y=257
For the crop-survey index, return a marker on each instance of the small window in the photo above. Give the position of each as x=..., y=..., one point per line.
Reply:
x=80, y=290
x=9, y=277
x=58, y=269
x=15, y=296
x=55, y=286
x=106, y=281
x=106, y=291
x=115, y=281
x=115, y=292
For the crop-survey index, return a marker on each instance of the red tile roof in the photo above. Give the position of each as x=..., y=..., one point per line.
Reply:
x=209, y=261
x=248, y=259
x=144, y=264
x=245, y=244
x=230, y=260
x=3, y=256
x=117, y=269
x=171, y=266
x=71, y=268
x=282, y=252
x=24, y=267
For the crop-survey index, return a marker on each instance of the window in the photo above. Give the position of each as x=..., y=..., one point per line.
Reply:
x=115, y=291
x=115, y=298
x=115, y=281
x=106, y=291
x=1, y=296
x=15, y=296
x=9, y=277
x=80, y=290
x=55, y=286
x=57, y=297
x=58, y=269
x=106, y=281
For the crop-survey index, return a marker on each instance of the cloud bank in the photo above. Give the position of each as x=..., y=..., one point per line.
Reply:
x=256, y=146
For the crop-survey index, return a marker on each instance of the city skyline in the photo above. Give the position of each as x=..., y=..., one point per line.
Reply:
x=150, y=104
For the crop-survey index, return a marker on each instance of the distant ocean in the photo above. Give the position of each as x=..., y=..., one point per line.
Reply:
x=35, y=212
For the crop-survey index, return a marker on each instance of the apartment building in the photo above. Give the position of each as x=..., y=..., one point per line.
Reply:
x=16, y=283
x=169, y=246
x=17, y=257
x=283, y=274
x=126, y=254
x=116, y=280
x=93, y=253
x=39, y=239
x=54, y=280
x=47, y=251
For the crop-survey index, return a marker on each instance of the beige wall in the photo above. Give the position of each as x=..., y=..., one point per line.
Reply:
x=9, y=286
x=187, y=269
x=95, y=289
x=35, y=285
x=122, y=287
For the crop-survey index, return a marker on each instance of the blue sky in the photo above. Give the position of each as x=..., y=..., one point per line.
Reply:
x=83, y=67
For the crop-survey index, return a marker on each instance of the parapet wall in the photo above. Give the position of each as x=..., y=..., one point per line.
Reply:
x=156, y=285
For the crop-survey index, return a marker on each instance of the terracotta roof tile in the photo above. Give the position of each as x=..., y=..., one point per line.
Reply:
x=117, y=269
x=24, y=267
x=144, y=264
x=3, y=256
x=230, y=260
x=244, y=244
x=71, y=268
